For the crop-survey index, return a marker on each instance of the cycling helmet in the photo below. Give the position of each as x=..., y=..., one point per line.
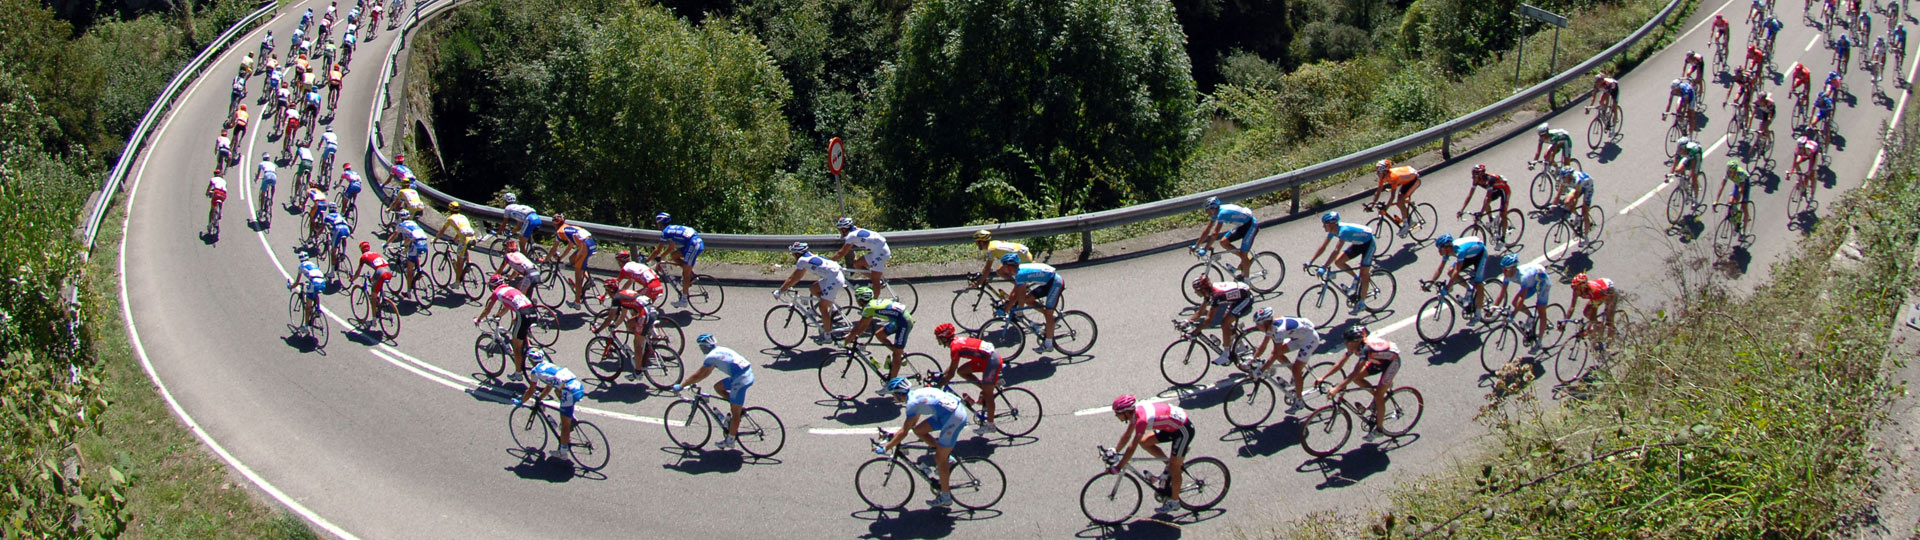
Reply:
x=899, y=385
x=496, y=280
x=347, y=167
x=845, y=224
x=863, y=293
x=798, y=248
x=1509, y=260
x=1579, y=280
x=510, y=198
x=1733, y=164
x=1445, y=240
x=1010, y=259
x=1382, y=166
x=662, y=219
x=1201, y=282
x=1262, y=315
x=982, y=235
x=405, y=215
x=559, y=219
x=1330, y=217
x=1566, y=171
x=706, y=342
x=1213, y=203
x=623, y=255
x=1357, y=333
x=534, y=353
x=1123, y=403
x=265, y=157
x=1675, y=86
x=1480, y=169
x=944, y=332
x=303, y=256
x=401, y=158
x=453, y=207
x=366, y=247
x=1541, y=129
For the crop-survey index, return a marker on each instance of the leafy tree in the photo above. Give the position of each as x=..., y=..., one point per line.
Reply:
x=1027, y=108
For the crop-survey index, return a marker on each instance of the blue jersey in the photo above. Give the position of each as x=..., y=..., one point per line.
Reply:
x=1530, y=277
x=679, y=234
x=1352, y=233
x=316, y=279
x=938, y=406
x=1686, y=91
x=1233, y=213
x=1034, y=274
x=1580, y=180
x=1468, y=247
x=728, y=362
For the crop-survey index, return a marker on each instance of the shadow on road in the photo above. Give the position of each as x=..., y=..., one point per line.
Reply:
x=1357, y=464
x=1266, y=440
x=698, y=461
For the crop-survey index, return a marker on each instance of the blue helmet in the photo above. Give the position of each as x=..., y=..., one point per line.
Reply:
x=1444, y=240
x=1213, y=203
x=1010, y=259
x=798, y=248
x=534, y=353
x=899, y=385
x=706, y=342
x=1509, y=260
x=1330, y=217
x=662, y=219
x=1263, y=315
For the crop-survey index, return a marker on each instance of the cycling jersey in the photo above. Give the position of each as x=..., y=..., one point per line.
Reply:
x=1229, y=299
x=218, y=187
x=1579, y=181
x=570, y=390
x=318, y=199
x=353, y=184
x=316, y=279
x=738, y=371
x=1379, y=356
x=1685, y=92
x=942, y=411
x=876, y=246
x=1467, y=247
x=830, y=280
x=980, y=356
x=1158, y=417
x=373, y=260
x=267, y=174
x=306, y=160
x=463, y=230
x=1560, y=138
x=1297, y=332
x=340, y=229
x=1533, y=280
x=997, y=249
x=1233, y=214
x=421, y=241
x=512, y=298
x=639, y=273
x=689, y=241
x=410, y=200
x=329, y=143
x=630, y=299
x=1597, y=289
x=1400, y=176
x=579, y=236
x=524, y=264
x=1694, y=153
x=889, y=310
x=1035, y=274
x=1352, y=233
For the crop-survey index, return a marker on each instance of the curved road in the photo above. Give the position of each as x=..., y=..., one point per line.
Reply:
x=403, y=441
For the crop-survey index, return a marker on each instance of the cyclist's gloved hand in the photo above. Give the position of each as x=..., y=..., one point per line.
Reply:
x=776, y=294
x=1113, y=469
x=880, y=450
x=676, y=389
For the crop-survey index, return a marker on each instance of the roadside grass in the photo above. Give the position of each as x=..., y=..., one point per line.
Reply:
x=1727, y=416
x=176, y=487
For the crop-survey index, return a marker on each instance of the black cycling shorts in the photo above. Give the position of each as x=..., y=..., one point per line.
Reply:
x=1177, y=439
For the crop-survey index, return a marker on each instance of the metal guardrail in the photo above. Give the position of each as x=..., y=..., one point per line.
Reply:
x=1081, y=223
x=136, y=143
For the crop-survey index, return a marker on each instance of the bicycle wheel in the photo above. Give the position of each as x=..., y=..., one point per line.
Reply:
x=762, y=434
x=606, y=358
x=1326, y=430
x=1541, y=191
x=1322, y=370
x=361, y=305
x=529, y=430
x=1674, y=133
x=1725, y=235
x=440, y=269
x=589, y=449
x=1199, y=269
x=1425, y=219
x=977, y=483
x=1320, y=304
x=546, y=326
x=1185, y=362
x=785, y=326
x=471, y=285
x=1383, y=234
x=388, y=321
x=1267, y=272
x=1249, y=404
x=1075, y=333
x=1516, y=229
x=1596, y=132
x=1403, y=409
x=1436, y=320
x=971, y=308
x=1558, y=235
x=706, y=295
x=1110, y=498
x=902, y=291
x=842, y=376
x=885, y=483
x=1499, y=347
x=663, y=370
x=918, y=363
x=491, y=355
x=1382, y=288
x=1007, y=338
x=1017, y=411
x=321, y=329
x=1570, y=363
x=688, y=425
x=669, y=334
x=1555, y=332
x=1679, y=204
x=1203, y=483
x=1596, y=222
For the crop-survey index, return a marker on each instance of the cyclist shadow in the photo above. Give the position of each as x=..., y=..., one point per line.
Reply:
x=1803, y=221
x=1577, y=262
x=304, y=343
x=794, y=360
x=1149, y=528
x=210, y=237
x=1350, y=468
x=696, y=461
x=1454, y=347
x=861, y=411
x=1827, y=177
x=1607, y=152
x=614, y=392
x=1766, y=181
x=1028, y=371
x=1266, y=440
x=1736, y=263
x=535, y=466
x=1688, y=230
x=922, y=523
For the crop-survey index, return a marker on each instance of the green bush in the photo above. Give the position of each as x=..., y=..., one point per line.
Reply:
x=1033, y=108
x=1242, y=68
x=1323, y=40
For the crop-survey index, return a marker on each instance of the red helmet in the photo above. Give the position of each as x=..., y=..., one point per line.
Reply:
x=944, y=332
x=513, y=246
x=399, y=158
x=346, y=166
x=623, y=255
x=1123, y=403
x=366, y=247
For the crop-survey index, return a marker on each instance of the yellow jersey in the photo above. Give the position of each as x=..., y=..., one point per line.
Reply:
x=997, y=249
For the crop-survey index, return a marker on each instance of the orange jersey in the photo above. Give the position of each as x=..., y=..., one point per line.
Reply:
x=1400, y=176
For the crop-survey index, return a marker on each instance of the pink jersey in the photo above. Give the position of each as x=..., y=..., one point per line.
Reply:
x=512, y=297
x=1158, y=417
x=639, y=273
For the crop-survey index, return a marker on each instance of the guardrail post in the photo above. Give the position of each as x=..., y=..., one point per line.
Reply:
x=1086, y=245
x=1446, y=146
x=1295, y=195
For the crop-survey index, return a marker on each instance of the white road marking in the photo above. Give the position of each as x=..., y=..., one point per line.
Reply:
x=1894, y=123
x=1217, y=385
x=1703, y=22
x=845, y=431
x=1816, y=39
x=1663, y=185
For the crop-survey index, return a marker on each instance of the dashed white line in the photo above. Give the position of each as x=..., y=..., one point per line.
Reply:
x=1816, y=39
x=1663, y=185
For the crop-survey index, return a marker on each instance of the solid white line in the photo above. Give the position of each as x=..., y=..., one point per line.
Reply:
x=1816, y=39
x=1703, y=22
x=1894, y=123
x=1217, y=385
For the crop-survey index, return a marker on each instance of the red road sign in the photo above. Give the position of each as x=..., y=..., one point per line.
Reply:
x=836, y=156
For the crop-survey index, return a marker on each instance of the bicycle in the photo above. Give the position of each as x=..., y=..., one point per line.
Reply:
x=264, y=215
x=1438, y=314
x=704, y=297
x=385, y=320
x=787, y=324
x=1196, y=351
x=1734, y=229
x=1684, y=202
x=1106, y=499
x=761, y=433
x=1322, y=302
x=609, y=354
x=441, y=267
x=1604, y=128
x=1249, y=403
x=1327, y=429
x=1017, y=410
x=1720, y=53
x=1265, y=273
x=843, y=377
x=218, y=201
x=1575, y=354
x=304, y=322
x=1801, y=196
x=895, y=288
x=1682, y=126
x=974, y=304
x=1385, y=227
x=1500, y=237
x=1549, y=183
x=976, y=482
x=1502, y=343
x=1074, y=331
x=531, y=426
x=493, y=348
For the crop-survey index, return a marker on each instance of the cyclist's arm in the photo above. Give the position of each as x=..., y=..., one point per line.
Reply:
x=946, y=375
x=485, y=310
x=841, y=254
x=906, y=426
x=1206, y=232
x=1469, y=200
x=792, y=279
x=1201, y=311
x=1128, y=442
x=859, y=328
x=697, y=375
x=1438, y=269
x=1323, y=247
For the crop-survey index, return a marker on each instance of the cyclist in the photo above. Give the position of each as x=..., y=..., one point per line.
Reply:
x=246, y=65
x=1226, y=302
x=639, y=275
x=334, y=79
x=329, y=147
x=1597, y=292
x=637, y=315
x=312, y=281
x=895, y=326
x=1899, y=47
x=1148, y=425
x=239, y=89
x=996, y=250
x=240, y=122
x=573, y=244
x=338, y=240
x=1406, y=180
x=351, y=192
x=1497, y=189
x=267, y=176
x=316, y=215
x=1805, y=150
x=520, y=269
x=547, y=377
x=1823, y=116
x=855, y=238
x=1800, y=82
x=522, y=217
x=1605, y=95
x=1756, y=12
x=1240, y=218
x=686, y=246
x=1756, y=58
x=1278, y=337
x=1720, y=36
x=1470, y=262
x=1694, y=69
x=1680, y=102
x=510, y=300
x=223, y=148
x=377, y=272
x=266, y=44
x=1687, y=157
x=1741, y=181
x=1358, y=242
x=1772, y=32
x=1579, y=187
x=1035, y=285
x=408, y=200
x=738, y=377
x=1763, y=110
x=400, y=173
x=292, y=124
x=304, y=172
x=410, y=231
x=216, y=195
x=979, y=357
x=1534, y=281
x=1377, y=356
x=1877, y=55
x=460, y=228
x=1553, y=142
x=827, y=287
x=940, y=410
x=1842, y=50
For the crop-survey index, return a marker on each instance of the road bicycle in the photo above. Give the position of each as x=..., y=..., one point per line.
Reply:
x=1573, y=356
x=846, y=373
x=264, y=215
x=1323, y=301
x=896, y=288
x=691, y=420
x=1549, y=183
x=1264, y=275
x=1502, y=231
x=1683, y=124
x=1016, y=410
x=975, y=303
x=531, y=426
x=1074, y=331
x=1735, y=229
x=1760, y=151
x=1604, y=128
x=787, y=324
x=1800, y=199
x=1249, y=403
x=441, y=267
x=1185, y=361
x=217, y=202
x=1327, y=429
x=1387, y=225
x=1111, y=498
x=1439, y=314
x=385, y=320
x=399, y=256
x=1576, y=232
x=493, y=348
x=1720, y=52
x=1511, y=332
x=704, y=297
x=1684, y=202
x=609, y=355
x=887, y=482
x=303, y=321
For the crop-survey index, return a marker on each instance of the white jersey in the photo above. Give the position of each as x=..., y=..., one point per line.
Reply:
x=518, y=212
x=1297, y=331
x=217, y=183
x=727, y=361
x=330, y=139
x=520, y=260
x=867, y=240
x=306, y=155
x=819, y=266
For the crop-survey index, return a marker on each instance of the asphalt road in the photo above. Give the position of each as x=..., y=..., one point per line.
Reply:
x=403, y=440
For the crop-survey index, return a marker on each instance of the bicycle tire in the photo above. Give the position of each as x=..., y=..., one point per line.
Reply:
x=707, y=295
x=1017, y=411
x=1499, y=347
x=490, y=355
x=360, y=305
x=1724, y=236
x=1111, y=493
x=1326, y=430
x=1250, y=403
x=1570, y=363
x=1596, y=223
x=1541, y=191
x=606, y=359
x=877, y=479
x=1324, y=369
x=529, y=430
x=470, y=285
x=1321, y=304
x=977, y=483
x=322, y=330
x=762, y=434
x=1267, y=272
x=1076, y=333
x=1555, y=332
x=1193, y=272
x=590, y=449
x=668, y=333
x=664, y=370
x=1382, y=289
x=1560, y=234
x=296, y=311
x=785, y=326
x=1426, y=218
x=1185, y=362
x=1383, y=235
x=687, y=424
x=842, y=377
x=971, y=308
x=440, y=267
x=1674, y=133
x=1404, y=407
x=1596, y=132
x=546, y=326
x=1436, y=319
x=1206, y=478
x=389, y=322
x=902, y=291
x=1008, y=339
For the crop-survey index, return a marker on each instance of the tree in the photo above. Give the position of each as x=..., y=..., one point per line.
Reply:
x=1016, y=109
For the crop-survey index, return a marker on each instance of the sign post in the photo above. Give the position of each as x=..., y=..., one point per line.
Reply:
x=836, y=163
x=1548, y=17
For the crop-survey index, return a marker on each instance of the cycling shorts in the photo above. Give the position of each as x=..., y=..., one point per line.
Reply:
x=522, y=323
x=950, y=433
x=877, y=259
x=353, y=190
x=420, y=249
x=988, y=368
x=570, y=394
x=314, y=287
x=532, y=226
x=1475, y=267
x=829, y=287
x=591, y=249
x=1244, y=234
x=1236, y=309
x=1363, y=250
x=1177, y=439
x=737, y=388
x=1386, y=371
x=1539, y=293
x=1742, y=190
x=690, y=253
x=1499, y=194
x=1048, y=293
x=897, y=332
x=219, y=196
x=654, y=291
x=1408, y=187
